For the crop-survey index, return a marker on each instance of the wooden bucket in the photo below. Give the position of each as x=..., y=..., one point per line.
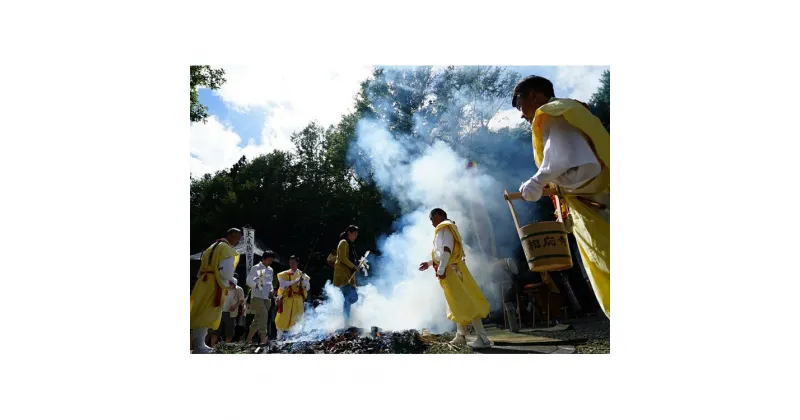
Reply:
x=545, y=243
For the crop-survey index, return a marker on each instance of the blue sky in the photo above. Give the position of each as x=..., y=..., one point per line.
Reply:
x=258, y=108
x=246, y=123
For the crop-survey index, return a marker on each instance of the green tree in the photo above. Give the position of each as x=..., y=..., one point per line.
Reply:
x=600, y=102
x=207, y=77
x=299, y=201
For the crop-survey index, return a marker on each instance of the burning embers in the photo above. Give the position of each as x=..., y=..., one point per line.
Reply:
x=355, y=341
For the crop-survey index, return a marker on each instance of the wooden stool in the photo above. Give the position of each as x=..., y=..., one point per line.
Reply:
x=530, y=290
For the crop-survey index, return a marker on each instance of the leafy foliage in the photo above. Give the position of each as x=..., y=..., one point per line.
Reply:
x=600, y=102
x=202, y=76
x=299, y=201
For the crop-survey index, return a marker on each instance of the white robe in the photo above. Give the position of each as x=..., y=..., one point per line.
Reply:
x=443, y=238
x=226, y=270
x=305, y=280
x=260, y=281
x=568, y=160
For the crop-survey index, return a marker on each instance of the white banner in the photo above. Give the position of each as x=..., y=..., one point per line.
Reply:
x=250, y=246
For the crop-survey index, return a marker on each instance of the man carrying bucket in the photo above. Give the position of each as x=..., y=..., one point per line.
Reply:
x=465, y=301
x=571, y=150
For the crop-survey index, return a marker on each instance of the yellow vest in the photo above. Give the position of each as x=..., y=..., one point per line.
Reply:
x=579, y=117
x=457, y=253
x=209, y=292
x=295, y=289
x=209, y=262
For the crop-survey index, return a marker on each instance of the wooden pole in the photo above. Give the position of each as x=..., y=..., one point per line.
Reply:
x=518, y=196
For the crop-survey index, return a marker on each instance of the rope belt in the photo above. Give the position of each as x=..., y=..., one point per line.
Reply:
x=452, y=266
x=288, y=294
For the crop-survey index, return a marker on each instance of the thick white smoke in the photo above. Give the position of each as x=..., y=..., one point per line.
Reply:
x=400, y=296
x=421, y=171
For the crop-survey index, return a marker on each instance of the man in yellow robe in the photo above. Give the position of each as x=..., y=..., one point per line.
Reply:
x=214, y=280
x=466, y=304
x=292, y=293
x=571, y=149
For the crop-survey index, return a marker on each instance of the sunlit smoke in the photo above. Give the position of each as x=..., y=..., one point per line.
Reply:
x=421, y=172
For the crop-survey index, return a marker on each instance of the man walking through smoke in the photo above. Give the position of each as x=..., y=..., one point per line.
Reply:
x=466, y=304
x=344, y=272
x=571, y=150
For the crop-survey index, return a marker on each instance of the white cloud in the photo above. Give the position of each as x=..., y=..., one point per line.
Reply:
x=577, y=82
x=214, y=146
x=290, y=96
x=293, y=96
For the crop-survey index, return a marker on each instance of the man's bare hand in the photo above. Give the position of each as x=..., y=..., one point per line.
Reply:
x=441, y=276
x=423, y=266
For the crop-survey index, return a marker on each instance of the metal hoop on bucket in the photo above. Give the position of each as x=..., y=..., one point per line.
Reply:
x=545, y=243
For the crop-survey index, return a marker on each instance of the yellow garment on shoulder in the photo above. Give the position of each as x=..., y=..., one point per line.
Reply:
x=205, y=308
x=591, y=229
x=343, y=269
x=290, y=305
x=464, y=298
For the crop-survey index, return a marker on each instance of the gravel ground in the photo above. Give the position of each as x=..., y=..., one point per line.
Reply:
x=596, y=331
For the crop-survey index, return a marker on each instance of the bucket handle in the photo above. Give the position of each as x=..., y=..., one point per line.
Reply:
x=518, y=196
x=559, y=216
x=509, y=197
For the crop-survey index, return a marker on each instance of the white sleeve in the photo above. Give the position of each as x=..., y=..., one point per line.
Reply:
x=251, y=277
x=306, y=282
x=226, y=271
x=443, y=263
x=284, y=283
x=565, y=149
x=438, y=246
x=444, y=238
x=448, y=240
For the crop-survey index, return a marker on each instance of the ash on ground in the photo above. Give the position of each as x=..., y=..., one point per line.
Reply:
x=595, y=330
x=355, y=341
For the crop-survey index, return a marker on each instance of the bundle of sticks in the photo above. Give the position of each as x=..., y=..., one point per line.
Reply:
x=362, y=265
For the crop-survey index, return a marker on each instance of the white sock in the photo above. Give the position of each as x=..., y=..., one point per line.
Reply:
x=279, y=335
x=199, y=337
x=479, y=330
